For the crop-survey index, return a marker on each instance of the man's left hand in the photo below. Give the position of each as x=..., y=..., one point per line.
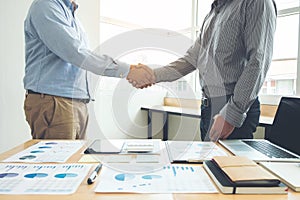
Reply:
x=220, y=129
x=141, y=76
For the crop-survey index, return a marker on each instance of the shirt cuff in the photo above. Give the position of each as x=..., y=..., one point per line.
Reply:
x=233, y=115
x=122, y=69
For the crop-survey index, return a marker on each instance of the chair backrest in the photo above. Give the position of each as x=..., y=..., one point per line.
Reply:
x=285, y=130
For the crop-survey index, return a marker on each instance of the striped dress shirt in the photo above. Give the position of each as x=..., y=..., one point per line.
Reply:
x=232, y=53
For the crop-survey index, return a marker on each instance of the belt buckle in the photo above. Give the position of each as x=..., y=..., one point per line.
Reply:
x=205, y=102
x=85, y=101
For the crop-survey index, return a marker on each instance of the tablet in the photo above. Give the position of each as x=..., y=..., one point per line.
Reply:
x=105, y=147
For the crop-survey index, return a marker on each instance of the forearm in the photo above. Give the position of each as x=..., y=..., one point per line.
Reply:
x=100, y=64
x=173, y=71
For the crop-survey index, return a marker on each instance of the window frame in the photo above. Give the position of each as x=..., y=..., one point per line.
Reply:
x=274, y=99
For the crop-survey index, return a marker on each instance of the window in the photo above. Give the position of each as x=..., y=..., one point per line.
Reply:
x=185, y=18
x=282, y=76
x=174, y=19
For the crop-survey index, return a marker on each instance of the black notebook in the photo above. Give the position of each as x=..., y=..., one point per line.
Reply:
x=227, y=186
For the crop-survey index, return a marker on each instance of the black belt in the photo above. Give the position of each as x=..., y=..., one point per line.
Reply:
x=73, y=99
x=204, y=101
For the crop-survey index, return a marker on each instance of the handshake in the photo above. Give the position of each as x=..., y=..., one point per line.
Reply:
x=141, y=76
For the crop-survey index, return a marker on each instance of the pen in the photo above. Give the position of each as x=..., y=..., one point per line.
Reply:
x=94, y=174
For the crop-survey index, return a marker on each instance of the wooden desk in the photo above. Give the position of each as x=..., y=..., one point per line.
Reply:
x=86, y=192
x=264, y=121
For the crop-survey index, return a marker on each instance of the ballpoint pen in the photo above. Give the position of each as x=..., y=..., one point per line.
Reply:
x=94, y=174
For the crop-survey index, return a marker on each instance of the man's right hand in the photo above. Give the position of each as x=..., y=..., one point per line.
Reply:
x=141, y=76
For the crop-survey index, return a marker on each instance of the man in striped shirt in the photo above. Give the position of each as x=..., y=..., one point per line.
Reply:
x=233, y=54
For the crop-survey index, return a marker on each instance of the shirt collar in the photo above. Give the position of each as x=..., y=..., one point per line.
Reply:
x=219, y=3
x=72, y=6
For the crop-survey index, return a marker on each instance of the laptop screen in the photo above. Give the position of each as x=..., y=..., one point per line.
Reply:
x=285, y=130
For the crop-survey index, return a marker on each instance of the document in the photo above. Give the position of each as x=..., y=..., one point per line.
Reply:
x=47, y=151
x=193, y=151
x=167, y=179
x=41, y=178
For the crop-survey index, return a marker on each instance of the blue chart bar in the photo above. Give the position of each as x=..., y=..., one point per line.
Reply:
x=174, y=170
x=192, y=169
x=150, y=177
x=44, y=147
x=179, y=169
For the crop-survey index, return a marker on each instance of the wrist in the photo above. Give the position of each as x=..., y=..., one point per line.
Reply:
x=132, y=67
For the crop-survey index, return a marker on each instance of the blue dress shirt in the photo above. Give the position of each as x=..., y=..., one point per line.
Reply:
x=58, y=57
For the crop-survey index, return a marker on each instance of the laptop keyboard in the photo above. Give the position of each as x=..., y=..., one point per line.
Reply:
x=269, y=150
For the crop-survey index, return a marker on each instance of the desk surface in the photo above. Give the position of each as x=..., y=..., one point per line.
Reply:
x=86, y=191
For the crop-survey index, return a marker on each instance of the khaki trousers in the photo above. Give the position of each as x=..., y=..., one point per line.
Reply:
x=52, y=117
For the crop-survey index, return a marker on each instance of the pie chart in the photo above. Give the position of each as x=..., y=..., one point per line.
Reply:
x=8, y=175
x=66, y=175
x=36, y=175
x=150, y=177
x=124, y=177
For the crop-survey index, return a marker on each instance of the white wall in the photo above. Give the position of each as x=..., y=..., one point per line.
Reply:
x=89, y=15
x=13, y=128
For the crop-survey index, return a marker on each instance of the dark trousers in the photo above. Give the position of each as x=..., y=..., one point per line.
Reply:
x=215, y=105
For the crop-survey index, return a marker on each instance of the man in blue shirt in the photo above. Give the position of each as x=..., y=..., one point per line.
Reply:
x=56, y=74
